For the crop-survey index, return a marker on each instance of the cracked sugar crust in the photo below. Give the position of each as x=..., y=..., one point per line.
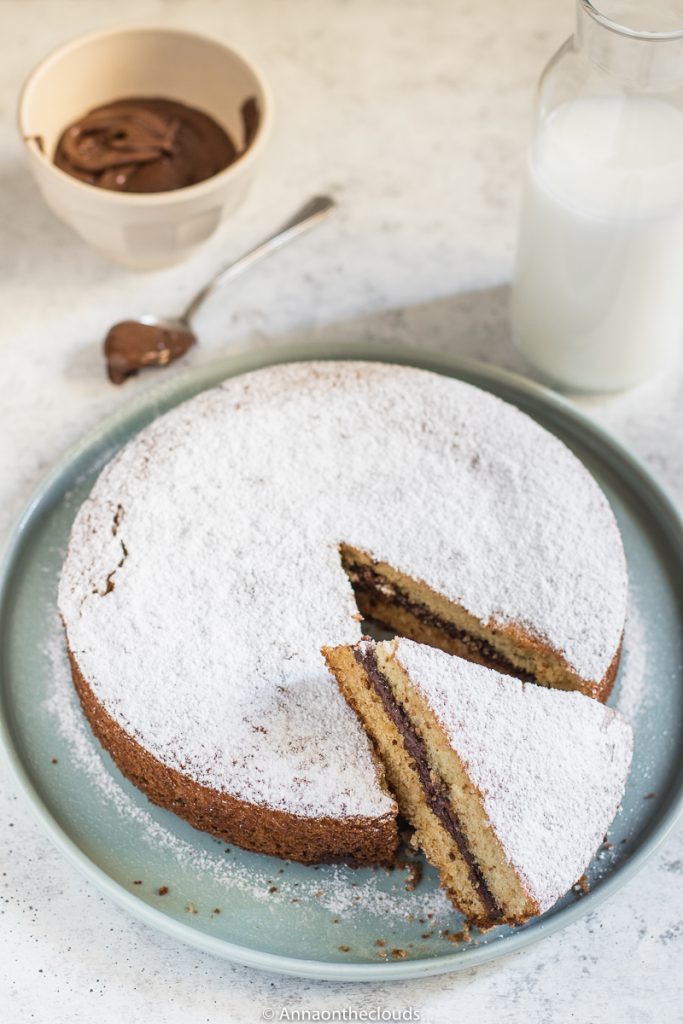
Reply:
x=203, y=641
x=550, y=765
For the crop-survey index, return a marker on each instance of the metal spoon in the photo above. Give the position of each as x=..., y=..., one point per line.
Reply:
x=156, y=340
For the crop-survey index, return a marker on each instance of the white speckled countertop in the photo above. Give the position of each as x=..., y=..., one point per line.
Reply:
x=414, y=116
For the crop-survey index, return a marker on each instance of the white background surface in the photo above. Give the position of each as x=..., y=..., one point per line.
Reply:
x=414, y=116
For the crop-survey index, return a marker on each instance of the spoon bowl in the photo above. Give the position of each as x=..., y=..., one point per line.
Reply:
x=131, y=345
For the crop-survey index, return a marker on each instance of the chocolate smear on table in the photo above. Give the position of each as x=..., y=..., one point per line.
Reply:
x=141, y=144
x=131, y=345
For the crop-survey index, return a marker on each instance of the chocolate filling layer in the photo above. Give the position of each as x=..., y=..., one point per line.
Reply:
x=435, y=792
x=366, y=580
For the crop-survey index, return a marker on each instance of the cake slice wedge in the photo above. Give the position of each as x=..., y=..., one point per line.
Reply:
x=510, y=787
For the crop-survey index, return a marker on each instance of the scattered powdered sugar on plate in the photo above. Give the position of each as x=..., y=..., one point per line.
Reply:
x=340, y=890
x=633, y=692
x=62, y=705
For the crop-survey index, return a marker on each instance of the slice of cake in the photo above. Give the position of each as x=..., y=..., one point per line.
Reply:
x=410, y=607
x=510, y=787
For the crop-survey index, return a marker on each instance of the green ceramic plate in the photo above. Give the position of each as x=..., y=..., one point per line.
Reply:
x=327, y=922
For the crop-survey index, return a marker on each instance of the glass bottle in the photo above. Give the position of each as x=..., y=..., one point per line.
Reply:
x=597, y=297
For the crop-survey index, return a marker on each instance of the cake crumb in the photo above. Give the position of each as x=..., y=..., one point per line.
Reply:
x=650, y=796
x=216, y=910
x=399, y=954
x=137, y=881
x=462, y=936
x=55, y=760
x=162, y=890
x=344, y=949
x=190, y=908
x=582, y=885
x=414, y=875
x=274, y=888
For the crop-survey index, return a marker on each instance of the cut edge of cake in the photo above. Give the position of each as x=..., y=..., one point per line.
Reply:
x=414, y=610
x=457, y=822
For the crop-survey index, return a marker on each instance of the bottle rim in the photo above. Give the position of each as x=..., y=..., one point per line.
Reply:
x=622, y=29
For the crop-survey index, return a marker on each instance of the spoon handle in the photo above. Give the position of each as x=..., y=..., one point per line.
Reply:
x=311, y=213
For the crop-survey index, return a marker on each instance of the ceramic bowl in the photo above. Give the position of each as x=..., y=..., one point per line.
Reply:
x=142, y=230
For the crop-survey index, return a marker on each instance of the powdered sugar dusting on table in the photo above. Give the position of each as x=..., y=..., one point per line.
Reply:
x=551, y=765
x=203, y=574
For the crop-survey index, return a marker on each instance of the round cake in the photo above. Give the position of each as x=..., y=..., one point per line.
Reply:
x=262, y=520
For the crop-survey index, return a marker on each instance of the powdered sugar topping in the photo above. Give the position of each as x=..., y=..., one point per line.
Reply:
x=203, y=573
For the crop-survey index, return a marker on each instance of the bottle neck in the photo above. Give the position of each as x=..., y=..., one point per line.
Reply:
x=639, y=46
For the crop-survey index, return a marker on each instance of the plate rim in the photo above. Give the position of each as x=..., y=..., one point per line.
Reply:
x=210, y=374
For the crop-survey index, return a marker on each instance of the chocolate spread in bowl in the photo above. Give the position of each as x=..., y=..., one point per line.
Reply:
x=142, y=144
